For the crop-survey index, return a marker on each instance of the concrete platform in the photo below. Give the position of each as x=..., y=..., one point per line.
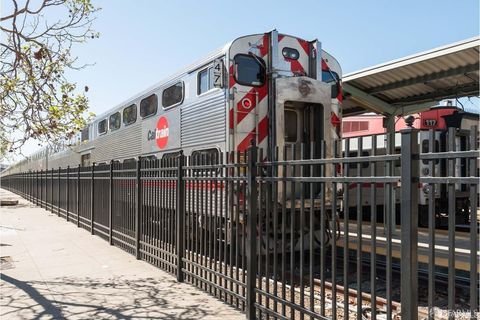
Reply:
x=50, y=269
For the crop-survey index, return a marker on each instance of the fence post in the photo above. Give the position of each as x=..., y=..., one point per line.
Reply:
x=27, y=180
x=78, y=196
x=138, y=210
x=36, y=183
x=51, y=191
x=92, y=194
x=110, y=206
x=251, y=231
x=180, y=217
x=58, y=192
x=29, y=185
x=409, y=223
x=67, y=207
x=41, y=188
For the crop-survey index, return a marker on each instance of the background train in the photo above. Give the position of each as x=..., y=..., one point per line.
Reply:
x=440, y=119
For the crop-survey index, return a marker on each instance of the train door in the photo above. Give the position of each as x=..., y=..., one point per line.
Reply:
x=303, y=124
x=303, y=129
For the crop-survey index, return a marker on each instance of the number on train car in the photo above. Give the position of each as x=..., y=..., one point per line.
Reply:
x=218, y=73
x=430, y=122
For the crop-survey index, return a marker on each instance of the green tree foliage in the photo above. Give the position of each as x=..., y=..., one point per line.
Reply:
x=36, y=99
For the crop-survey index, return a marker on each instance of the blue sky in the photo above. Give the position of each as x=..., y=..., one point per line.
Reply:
x=143, y=41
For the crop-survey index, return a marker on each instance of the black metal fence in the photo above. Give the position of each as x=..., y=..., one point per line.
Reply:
x=297, y=236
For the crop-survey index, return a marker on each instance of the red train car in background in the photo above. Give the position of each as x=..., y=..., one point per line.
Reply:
x=370, y=123
x=439, y=119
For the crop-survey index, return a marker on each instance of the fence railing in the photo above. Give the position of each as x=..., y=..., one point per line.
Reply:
x=295, y=236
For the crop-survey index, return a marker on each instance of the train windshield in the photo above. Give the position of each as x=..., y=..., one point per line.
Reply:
x=329, y=76
x=249, y=70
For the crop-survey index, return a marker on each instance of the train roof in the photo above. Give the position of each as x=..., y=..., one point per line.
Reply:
x=170, y=79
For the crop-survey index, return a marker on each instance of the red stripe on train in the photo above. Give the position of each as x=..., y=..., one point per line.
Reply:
x=230, y=120
x=231, y=82
x=262, y=134
x=262, y=129
x=264, y=46
x=305, y=46
x=296, y=67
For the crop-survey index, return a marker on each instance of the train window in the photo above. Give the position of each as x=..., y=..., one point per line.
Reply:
x=171, y=155
x=130, y=114
x=173, y=95
x=171, y=158
x=149, y=158
x=203, y=82
x=102, y=126
x=290, y=126
x=148, y=106
x=85, y=160
x=353, y=126
x=205, y=156
x=425, y=149
x=84, y=135
x=329, y=76
x=249, y=70
x=130, y=161
x=114, y=121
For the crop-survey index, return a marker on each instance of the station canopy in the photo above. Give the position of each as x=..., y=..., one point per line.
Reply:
x=414, y=83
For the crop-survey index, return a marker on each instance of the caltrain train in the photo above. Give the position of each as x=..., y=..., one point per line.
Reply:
x=275, y=89
x=270, y=87
x=439, y=119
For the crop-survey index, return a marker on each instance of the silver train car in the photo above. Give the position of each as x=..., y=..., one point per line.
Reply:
x=266, y=87
x=276, y=89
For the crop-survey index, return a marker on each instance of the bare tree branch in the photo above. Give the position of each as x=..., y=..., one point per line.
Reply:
x=37, y=101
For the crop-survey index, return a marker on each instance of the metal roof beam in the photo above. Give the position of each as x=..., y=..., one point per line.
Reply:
x=469, y=89
x=403, y=111
x=368, y=100
x=425, y=78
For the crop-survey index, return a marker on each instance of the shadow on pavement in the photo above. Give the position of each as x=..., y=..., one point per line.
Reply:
x=83, y=298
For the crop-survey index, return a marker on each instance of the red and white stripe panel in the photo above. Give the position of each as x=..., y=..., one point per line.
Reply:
x=298, y=67
x=335, y=117
x=248, y=116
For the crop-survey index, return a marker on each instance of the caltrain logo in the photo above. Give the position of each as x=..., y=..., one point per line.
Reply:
x=160, y=134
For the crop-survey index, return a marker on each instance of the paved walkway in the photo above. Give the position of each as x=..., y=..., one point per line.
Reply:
x=50, y=269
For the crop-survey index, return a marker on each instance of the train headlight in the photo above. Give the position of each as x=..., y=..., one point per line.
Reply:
x=425, y=171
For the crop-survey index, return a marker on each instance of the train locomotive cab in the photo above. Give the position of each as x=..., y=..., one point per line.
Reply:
x=284, y=92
